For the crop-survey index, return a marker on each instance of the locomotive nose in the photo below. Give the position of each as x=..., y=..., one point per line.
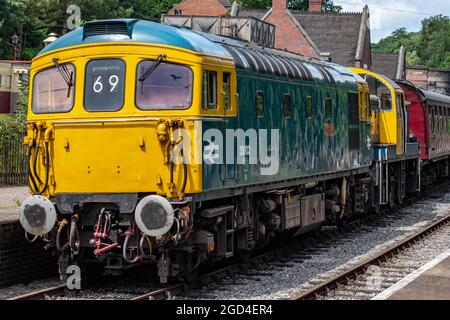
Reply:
x=37, y=215
x=154, y=216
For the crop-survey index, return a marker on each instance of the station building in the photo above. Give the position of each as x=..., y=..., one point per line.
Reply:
x=12, y=75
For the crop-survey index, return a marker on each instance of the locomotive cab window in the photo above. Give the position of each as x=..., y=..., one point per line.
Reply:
x=329, y=108
x=166, y=86
x=209, y=100
x=104, y=85
x=259, y=103
x=53, y=89
x=287, y=105
x=379, y=89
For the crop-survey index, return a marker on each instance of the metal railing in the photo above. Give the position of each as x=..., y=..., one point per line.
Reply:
x=13, y=162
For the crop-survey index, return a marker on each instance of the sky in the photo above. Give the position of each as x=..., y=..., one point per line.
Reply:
x=389, y=15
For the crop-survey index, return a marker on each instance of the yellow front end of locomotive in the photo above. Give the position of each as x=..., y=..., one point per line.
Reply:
x=390, y=116
x=125, y=150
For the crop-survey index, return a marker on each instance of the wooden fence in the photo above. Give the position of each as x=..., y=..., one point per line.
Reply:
x=13, y=164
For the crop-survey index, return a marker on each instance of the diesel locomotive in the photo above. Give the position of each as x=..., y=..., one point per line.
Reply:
x=155, y=144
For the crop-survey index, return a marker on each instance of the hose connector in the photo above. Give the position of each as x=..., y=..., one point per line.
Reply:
x=48, y=135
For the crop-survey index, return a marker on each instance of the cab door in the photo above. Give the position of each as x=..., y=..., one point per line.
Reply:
x=228, y=107
x=401, y=123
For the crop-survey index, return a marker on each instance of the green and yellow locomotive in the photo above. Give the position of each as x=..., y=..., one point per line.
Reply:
x=149, y=143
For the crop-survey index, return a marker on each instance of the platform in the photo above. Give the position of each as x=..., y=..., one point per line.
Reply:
x=9, y=214
x=430, y=282
x=10, y=200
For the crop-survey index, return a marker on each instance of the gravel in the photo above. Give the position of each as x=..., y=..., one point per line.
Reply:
x=378, y=279
x=351, y=250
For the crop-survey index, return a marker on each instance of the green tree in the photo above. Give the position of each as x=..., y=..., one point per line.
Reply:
x=434, y=44
x=429, y=47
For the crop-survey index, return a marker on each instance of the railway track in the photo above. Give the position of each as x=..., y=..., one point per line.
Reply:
x=42, y=294
x=348, y=284
x=255, y=268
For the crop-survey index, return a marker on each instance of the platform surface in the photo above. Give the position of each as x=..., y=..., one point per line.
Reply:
x=430, y=282
x=10, y=200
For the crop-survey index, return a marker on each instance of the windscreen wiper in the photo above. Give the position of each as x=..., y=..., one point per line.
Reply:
x=152, y=68
x=66, y=74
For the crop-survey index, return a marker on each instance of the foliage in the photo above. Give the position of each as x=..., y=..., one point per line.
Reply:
x=22, y=102
x=33, y=20
x=429, y=47
x=13, y=126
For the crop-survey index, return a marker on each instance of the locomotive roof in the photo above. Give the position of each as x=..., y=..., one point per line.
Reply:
x=245, y=55
x=428, y=94
x=133, y=30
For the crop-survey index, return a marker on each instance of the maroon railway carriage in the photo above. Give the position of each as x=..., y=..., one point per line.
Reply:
x=429, y=122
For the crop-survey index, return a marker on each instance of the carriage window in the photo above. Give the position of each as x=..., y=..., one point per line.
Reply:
x=259, y=103
x=168, y=86
x=104, y=85
x=226, y=85
x=353, y=110
x=445, y=119
x=436, y=118
x=431, y=117
x=309, y=107
x=209, y=89
x=287, y=105
x=329, y=108
x=51, y=90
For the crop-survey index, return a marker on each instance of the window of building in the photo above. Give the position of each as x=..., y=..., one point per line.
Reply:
x=309, y=107
x=8, y=82
x=209, y=89
x=259, y=103
x=287, y=105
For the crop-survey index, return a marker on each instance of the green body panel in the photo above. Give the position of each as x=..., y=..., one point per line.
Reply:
x=305, y=150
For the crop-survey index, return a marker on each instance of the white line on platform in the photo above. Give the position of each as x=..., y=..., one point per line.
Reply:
x=411, y=277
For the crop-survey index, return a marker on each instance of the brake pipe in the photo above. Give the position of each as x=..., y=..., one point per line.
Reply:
x=47, y=136
x=98, y=252
x=128, y=235
x=61, y=227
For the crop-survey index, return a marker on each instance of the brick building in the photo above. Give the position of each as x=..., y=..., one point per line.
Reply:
x=392, y=65
x=12, y=73
x=201, y=8
x=430, y=78
x=343, y=38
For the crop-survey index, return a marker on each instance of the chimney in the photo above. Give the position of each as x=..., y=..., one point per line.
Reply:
x=279, y=5
x=315, y=5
